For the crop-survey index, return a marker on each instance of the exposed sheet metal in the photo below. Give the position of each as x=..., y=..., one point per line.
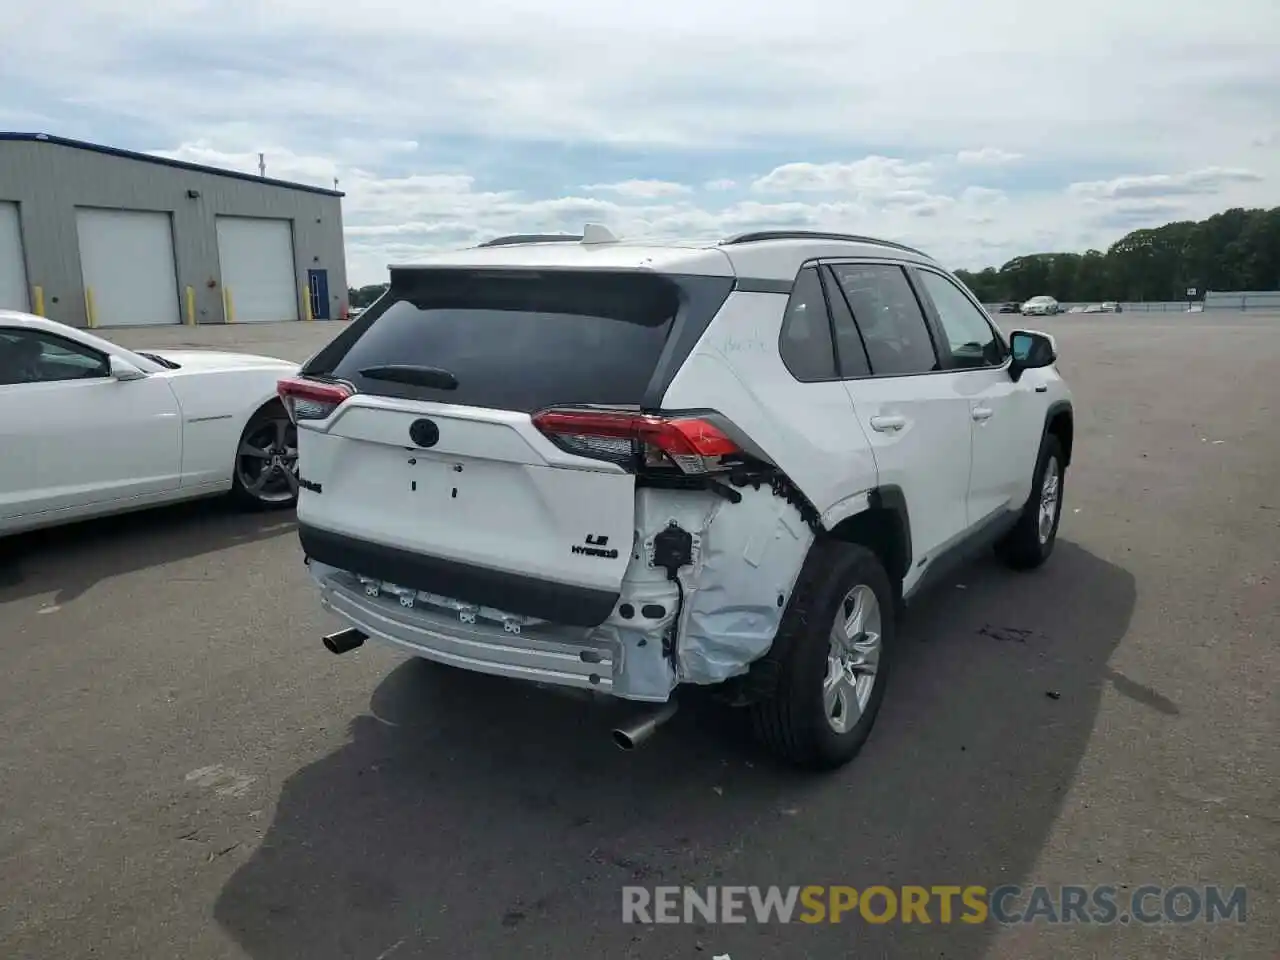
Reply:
x=751, y=555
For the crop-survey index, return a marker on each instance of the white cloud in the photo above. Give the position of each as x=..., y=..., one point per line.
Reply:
x=449, y=123
x=982, y=196
x=641, y=189
x=987, y=157
x=1210, y=180
x=810, y=69
x=875, y=176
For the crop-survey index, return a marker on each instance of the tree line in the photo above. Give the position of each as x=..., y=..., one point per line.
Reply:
x=364, y=296
x=1235, y=250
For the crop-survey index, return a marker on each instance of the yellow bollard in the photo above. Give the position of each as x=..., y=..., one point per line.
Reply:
x=191, y=306
x=306, y=303
x=228, y=305
x=90, y=310
x=37, y=301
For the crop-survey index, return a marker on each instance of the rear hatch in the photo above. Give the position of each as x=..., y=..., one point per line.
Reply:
x=427, y=456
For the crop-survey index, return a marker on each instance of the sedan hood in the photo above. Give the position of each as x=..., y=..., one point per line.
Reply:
x=218, y=360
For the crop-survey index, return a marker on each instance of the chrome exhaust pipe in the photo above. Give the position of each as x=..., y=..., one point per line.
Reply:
x=631, y=735
x=344, y=641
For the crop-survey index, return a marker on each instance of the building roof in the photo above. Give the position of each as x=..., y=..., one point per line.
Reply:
x=164, y=161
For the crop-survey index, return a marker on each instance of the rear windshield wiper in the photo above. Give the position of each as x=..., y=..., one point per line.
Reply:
x=414, y=376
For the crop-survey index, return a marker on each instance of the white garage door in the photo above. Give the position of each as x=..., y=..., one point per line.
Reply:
x=13, y=272
x=258, y=274
x=126, y=258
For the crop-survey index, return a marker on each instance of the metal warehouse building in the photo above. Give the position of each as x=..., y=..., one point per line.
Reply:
x=93, y=236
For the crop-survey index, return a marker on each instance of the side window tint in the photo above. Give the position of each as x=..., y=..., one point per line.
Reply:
x=888, y=315
x=851, y=355
x=805, y=344
x=970, y=337
x=30, y=357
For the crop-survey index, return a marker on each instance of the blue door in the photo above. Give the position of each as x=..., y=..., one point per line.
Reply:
x=318, y=287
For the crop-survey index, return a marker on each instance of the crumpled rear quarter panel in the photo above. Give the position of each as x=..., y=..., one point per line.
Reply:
x=746, y=559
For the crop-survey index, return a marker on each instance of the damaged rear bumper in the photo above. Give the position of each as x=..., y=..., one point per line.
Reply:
x=466, y=637
x=719, y=620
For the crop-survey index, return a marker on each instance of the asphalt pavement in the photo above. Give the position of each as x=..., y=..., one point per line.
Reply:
x=186, y=773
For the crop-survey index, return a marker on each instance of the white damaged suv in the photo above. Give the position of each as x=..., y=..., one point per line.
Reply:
x=625, y=468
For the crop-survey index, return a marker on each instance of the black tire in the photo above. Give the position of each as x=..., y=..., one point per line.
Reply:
x=1023, y=548
x=270, y=422
x=792, y=722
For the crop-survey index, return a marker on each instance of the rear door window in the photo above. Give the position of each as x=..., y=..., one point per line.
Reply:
x=889, y=317
x=805, y=345
x=517, y=340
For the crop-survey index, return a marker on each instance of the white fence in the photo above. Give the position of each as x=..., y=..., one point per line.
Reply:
x=1248, y=300
x=1268, y=300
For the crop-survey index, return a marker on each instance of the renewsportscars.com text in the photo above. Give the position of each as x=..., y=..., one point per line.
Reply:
x=939, y=904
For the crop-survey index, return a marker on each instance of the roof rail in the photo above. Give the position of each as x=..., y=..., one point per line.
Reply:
x=758, y=236
x=531, y=238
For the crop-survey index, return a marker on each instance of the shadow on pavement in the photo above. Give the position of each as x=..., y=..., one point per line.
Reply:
x=472, y=817
x=73, y=558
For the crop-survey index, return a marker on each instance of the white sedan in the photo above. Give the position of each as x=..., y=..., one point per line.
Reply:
x=88, y=428
x=1040, y=307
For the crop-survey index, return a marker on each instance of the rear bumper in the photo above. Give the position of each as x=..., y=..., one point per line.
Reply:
x=543, y=652
x=529, y=596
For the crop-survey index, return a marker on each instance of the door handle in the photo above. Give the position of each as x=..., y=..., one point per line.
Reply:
x=982, y=413
x=1042, y=388
x=888, y=424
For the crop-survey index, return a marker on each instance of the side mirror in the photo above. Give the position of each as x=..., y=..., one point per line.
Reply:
x=1031, y=350
x=124, y=370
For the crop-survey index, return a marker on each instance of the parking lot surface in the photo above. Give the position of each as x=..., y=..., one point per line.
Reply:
x=186, y=772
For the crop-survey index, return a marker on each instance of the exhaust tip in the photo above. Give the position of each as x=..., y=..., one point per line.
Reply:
x=623, y=740
x=631, y=735
x=344, y=641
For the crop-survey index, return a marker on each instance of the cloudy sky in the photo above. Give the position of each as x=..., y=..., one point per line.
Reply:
x=977, y=130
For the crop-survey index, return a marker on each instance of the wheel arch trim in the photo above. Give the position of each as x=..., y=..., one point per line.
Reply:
x=890, y=500
x=1056, y=409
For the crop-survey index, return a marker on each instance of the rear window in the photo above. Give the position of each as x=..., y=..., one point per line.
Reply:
x=517, y=340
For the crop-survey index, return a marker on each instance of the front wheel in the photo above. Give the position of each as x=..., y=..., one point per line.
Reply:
x=266, y=466
x=1030, y=542
x=832, y=667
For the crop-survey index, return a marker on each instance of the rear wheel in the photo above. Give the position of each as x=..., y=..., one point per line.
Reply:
x=832, y=667
x=266, y=470
x=1030, y=542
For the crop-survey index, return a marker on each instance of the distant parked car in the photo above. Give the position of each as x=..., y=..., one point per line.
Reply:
x=1109, y=307
x=1079, y=309
x=1040, y=307
x=1010, y=308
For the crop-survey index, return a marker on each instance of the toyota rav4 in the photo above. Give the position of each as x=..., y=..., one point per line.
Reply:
x=626, y=468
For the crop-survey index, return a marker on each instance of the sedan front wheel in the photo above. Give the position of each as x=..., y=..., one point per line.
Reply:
x=266, y=471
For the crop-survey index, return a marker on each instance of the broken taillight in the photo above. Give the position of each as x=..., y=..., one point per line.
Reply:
x=694, y=445
x=306, y=399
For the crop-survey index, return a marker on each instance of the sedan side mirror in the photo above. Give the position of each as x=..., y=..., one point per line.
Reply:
x=1031, y=350
x=122, y=369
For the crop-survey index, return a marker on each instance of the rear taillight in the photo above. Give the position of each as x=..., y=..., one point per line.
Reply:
x=690, y=444
x=305, y=399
